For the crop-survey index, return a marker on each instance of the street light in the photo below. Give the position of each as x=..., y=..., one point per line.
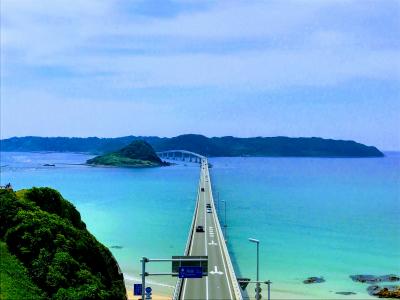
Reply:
x=258, y=243
x=258, y=289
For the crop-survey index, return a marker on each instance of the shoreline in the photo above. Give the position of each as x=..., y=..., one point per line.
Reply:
x=130, y=296
x=280, y=291
x=162, y=290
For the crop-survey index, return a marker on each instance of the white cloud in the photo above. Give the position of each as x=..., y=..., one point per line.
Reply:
x=264, y=44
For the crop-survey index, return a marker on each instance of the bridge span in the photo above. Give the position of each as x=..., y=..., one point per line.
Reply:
x=181, y=155
x=221, y=282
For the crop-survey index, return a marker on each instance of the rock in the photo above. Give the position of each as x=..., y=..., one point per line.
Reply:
x=389, y=291
x=364, y=278
x=314, y=280
x=392, y=278
x=374, y=279
x=116, y=247
x=345, y=293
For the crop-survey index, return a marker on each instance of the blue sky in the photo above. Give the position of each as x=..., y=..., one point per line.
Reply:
x=244, y=68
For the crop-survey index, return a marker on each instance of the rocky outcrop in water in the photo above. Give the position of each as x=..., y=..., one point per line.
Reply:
x=314, y=280
x=116, y=247
x=389, y=291
x=138, y=154
x=345, y=293
x=375, y=279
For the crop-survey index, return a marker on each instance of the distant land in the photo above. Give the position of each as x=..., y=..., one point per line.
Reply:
x=212, y=147
x=138, y=154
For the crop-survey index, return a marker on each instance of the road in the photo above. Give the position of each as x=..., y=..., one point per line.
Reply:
x=218, y=284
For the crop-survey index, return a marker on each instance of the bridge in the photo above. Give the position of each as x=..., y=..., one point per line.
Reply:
x=221, y=282
x=183, y=155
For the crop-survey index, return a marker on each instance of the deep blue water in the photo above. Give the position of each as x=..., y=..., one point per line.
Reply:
x=326, y=217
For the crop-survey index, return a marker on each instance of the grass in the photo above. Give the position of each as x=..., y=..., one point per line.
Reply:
x=14, y=279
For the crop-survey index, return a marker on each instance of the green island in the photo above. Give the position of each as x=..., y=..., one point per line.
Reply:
x=47, y=252
x=279, y=146
x=138, y=154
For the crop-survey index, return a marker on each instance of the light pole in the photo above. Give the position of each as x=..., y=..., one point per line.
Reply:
x=258, y=296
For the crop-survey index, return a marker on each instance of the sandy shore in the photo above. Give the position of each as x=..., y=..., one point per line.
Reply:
x=163, y=291
x=154, y=297
x=160, y=291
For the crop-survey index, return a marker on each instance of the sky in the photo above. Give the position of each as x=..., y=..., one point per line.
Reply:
x=244, y=68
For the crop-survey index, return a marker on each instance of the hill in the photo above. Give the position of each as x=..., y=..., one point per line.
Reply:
x=215, y=146
x=51, y=251
x=138, y=154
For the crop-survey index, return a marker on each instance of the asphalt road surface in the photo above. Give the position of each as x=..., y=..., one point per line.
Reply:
x=217, y=285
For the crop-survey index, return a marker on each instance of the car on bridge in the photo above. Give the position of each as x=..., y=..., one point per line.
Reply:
x=209, y=210
x=202, y=189
x=199, y=228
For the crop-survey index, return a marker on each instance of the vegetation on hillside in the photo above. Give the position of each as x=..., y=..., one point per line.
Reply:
x=63, y=260
x=136, y=154
x=15, y=282
x=216, y=146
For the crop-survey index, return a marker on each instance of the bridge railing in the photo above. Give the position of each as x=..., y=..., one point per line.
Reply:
x=182, y=152
x=233, y=278
x=178, y=286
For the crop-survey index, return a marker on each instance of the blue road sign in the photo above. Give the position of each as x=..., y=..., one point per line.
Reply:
x=137, y=289
x=148, y=290
x=190, y=272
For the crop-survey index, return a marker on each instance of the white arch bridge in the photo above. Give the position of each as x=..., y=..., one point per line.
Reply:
x=181, y=155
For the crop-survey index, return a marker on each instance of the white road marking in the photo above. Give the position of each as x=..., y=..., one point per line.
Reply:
x=213, y=243
x=216, y=272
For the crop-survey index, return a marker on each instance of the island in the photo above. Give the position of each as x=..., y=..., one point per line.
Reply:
x=138, y=154
x=228, y=146
x=48, y=253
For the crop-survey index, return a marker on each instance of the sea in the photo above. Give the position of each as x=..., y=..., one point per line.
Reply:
x=324, y=217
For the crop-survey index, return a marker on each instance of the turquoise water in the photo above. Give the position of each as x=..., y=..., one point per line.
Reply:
x=146, y=211
x=313, y=216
